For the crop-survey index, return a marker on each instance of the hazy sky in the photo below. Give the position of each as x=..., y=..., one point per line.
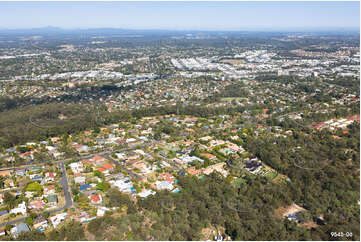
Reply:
x=181, y=15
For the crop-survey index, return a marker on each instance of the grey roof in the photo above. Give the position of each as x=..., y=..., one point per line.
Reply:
x=22, y=227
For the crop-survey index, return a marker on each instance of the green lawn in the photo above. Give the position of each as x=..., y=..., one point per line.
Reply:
x=226, y=99
x=271, y=175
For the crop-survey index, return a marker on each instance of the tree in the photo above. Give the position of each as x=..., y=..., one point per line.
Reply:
x=8, y=227
x=9, y=200
x=32, y=236
x=29, y=221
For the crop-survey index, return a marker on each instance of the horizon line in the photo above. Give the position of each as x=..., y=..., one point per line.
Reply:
x=266, y=29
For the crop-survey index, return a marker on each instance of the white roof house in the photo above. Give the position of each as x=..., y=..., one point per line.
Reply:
x=162, y=185
x=20, y=209
x=76, y=167
x=79, y=179
x=122, y=185
x=101, y=211
x=146, y=193
x=57, y=219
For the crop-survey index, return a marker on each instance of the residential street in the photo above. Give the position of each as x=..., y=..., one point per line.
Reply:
x=68, y=200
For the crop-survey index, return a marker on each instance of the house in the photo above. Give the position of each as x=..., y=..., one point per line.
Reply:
x=120, y=156
x=185, y=159
x=9, y=183
x=218, y=238
x=206, y=138
x=83, y=217
x=132, y=157
x=101, y=211
x=84, y=187
x=146, y=193
x=20, y=172
x=29, y=194
x=148, y=131
x=98, y=160
x=253, y=166
x=82, y=148
x=209, y=156
x=49, y=190
x=163, y=185
x=167, y=177
x=235, y=147
x=140, y=152
x=79, y=180
x=40, y=223
x=22, y=227
x=104, y=171
x=21, y=208
x=108, y=166
x=227, y=151
x=52, y=200
x=193, y=171
x=216, y=167
x=56, y=153
x=130, y=140
x=57, y=219
x=124, y=185
x=36, y=204
x=138, y=165
x=89, y=193
x=216, y=142
x=76, y=167
x=87, y=162
x=50, y=177
x=293, y=217
x=96, y=199
x=318, y=125
x=37, y=178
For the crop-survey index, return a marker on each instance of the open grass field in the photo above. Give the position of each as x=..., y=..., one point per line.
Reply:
x=233, y=62
x=227, y=99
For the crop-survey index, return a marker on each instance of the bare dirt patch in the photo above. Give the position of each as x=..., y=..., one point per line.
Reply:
x=309, y=225
x=284, y=211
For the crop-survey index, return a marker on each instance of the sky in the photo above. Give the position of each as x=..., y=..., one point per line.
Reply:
x=181, y=15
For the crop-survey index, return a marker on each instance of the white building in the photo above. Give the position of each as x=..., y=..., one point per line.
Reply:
x=146, y=193
x=57, y=219
x=20, y=209
x=76, y=167
x=79, y=179
x=122, y=185
x=162, y=185
x=101, y=211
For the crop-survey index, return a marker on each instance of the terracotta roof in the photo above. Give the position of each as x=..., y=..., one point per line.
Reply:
x=193, y=171
x=108, y=166
x=209, y=156
x=95, y=198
